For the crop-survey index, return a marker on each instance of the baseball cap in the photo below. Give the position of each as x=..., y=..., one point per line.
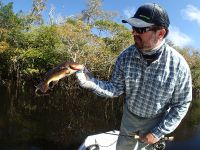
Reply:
x=147, y=15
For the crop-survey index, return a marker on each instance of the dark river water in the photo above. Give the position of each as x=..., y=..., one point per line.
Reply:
x=62, y=119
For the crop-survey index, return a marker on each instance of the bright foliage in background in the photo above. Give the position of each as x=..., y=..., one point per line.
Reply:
x=29, y=48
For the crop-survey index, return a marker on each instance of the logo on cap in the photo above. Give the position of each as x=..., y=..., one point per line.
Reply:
x=142, y=16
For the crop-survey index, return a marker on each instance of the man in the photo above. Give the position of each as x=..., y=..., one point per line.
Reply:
x=154, y=78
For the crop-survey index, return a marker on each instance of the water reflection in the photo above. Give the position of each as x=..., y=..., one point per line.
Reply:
x=65, y=117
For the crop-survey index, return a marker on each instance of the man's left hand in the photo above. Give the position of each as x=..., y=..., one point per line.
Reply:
x=149, y=139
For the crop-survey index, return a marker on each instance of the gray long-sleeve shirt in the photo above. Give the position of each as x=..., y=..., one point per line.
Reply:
x=151, y=89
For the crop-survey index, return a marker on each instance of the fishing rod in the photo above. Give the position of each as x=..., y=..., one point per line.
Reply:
x=136, y=136
x=133, y=135
x=160, y=145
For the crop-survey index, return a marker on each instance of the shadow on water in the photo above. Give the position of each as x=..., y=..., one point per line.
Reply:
x=60, y=120
x=65, y=117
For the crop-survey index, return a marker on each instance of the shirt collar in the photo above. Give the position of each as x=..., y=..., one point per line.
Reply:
x=154, y=50
x=137, y=53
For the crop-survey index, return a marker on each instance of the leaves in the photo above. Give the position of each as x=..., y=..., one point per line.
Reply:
x=8, y=19
x=29, y=47
x=94, y=12
x=3, y=46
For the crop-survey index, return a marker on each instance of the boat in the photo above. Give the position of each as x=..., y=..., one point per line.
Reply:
x=102, y=141
x=108, y=141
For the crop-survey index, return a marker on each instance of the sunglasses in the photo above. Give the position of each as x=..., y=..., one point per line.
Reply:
x=145, y=29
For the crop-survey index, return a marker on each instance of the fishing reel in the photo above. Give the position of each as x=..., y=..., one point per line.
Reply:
x=93, y=147
x=160, y=145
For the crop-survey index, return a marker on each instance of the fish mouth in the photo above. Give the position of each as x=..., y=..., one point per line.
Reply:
x=76, y=67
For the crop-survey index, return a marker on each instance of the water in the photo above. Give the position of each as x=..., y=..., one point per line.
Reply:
x=65, y=117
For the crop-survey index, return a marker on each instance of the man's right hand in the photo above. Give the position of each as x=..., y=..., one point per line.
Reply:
x=85, y=79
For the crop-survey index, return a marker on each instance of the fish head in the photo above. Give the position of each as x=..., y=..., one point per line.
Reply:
x=72, y=65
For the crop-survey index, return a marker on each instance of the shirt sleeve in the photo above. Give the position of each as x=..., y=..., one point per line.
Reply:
x=179, y=105
x=115, y=86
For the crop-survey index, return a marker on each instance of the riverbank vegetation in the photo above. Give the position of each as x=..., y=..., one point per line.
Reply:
x=30, y=45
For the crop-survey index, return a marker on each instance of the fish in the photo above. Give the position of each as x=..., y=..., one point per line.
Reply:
x=54, y=75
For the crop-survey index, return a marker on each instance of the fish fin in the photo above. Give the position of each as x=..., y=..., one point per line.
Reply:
x=40, y=93
x=52, y=84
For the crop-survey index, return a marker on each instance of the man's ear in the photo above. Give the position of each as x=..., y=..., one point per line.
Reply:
x=161, y=33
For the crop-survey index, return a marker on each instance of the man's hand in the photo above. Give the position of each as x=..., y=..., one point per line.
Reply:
x=81, y=74
x=149, y=139
x=85, y=78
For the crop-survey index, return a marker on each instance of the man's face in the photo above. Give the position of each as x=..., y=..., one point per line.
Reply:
x=145, y=41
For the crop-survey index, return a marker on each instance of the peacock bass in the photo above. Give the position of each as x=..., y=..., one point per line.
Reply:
x=54, y=75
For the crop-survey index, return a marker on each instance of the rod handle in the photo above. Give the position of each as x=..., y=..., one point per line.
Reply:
x=170, y=138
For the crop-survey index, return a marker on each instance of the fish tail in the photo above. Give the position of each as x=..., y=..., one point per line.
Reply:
x=43, y=87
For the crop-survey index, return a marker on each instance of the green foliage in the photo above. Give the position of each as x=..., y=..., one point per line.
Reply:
x=35, y=15
x=9, y=22
x=117, y=36
x=192, y=56
x=16, y=39
x=94, y=12
x=35, y=50
x=41, y=49
x=93, y=39
x=8, y=19
x=44, y=37
x=80, y=45
x=3, y=46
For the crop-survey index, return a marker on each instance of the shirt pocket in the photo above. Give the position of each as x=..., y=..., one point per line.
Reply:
x=165, y=86
x=133, y=83
x=133, y=77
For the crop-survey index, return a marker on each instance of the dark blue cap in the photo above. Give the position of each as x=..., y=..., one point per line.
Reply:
x=148, y=15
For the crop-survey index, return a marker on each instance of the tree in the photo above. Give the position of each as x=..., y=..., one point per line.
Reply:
x=82, y=46
x=116, y=36
x=9, y=22
x=8, y=19
x=192, y=56
x=35, y=16
x=94, y=12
